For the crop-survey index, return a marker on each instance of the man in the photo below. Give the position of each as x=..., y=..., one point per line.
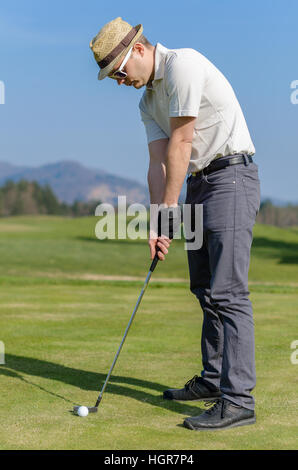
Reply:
x=195, y=126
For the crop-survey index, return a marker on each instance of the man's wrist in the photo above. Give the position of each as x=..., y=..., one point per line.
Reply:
x=166, y=204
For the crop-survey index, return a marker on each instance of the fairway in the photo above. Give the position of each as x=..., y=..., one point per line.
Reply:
x=66, y=299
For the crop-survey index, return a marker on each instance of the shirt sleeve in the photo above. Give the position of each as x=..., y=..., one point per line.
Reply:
x=184, y=79
x=153, y=131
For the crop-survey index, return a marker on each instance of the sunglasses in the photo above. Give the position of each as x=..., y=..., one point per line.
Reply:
x=120, y=72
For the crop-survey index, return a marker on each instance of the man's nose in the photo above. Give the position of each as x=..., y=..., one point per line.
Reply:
x=120, y=81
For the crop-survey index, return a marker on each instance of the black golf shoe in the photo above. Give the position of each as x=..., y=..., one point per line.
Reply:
x=194, y=389
x=222, y=415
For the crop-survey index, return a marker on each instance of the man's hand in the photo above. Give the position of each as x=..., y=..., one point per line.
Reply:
x=168, y=223
x=163, y=243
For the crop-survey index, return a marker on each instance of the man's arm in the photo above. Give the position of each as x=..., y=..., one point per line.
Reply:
x=157, y=170
x=157, y=183
x=169, y=160
x=177, y=157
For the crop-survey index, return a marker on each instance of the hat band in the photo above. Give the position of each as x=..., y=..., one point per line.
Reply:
x=118, y=49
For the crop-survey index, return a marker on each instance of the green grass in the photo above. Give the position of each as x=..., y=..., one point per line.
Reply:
x=61, y=331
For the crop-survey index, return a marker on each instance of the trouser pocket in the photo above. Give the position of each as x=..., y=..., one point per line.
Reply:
x=251, y=187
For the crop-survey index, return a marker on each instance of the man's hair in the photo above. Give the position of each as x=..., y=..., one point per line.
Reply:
x=143, y=40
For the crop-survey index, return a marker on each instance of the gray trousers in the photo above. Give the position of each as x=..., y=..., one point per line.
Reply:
x=219, y=277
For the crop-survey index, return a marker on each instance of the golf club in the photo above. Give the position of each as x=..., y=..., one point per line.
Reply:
x=94, y=409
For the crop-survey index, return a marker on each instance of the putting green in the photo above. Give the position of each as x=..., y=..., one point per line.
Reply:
x=61, y=331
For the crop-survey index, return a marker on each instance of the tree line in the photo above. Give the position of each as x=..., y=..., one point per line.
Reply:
x=26, y=197
x=271, y=214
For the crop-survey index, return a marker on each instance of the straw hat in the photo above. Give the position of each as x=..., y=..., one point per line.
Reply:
x=112, y=43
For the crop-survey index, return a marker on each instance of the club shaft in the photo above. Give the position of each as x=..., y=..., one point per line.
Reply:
x=124, y=337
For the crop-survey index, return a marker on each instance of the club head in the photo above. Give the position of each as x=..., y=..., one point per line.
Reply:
x=92, y=409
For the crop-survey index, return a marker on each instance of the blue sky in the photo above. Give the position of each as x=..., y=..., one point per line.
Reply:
x=55, y=108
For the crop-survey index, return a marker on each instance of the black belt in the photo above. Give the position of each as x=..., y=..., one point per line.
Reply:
x=223, y=162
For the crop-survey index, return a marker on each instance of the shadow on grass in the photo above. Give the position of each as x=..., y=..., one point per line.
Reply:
x=15, y=375
x=86, y=380
x=287, y=252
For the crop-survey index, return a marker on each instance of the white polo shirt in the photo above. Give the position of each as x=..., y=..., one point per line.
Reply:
x=187, y=84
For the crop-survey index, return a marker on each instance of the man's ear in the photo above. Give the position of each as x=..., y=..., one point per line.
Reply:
x=139, y=48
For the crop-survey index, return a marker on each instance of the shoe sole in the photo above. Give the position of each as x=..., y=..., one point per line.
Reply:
x=244, y=422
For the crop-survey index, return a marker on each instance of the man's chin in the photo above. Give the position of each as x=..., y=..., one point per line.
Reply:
x=138, y=85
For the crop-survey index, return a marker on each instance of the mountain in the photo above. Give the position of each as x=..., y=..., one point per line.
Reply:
x=72, y=181
x=6, y=170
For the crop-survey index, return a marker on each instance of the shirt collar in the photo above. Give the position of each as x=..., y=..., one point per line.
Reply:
x=160, y=55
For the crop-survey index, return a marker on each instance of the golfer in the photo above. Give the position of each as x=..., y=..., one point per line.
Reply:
x=195, y=128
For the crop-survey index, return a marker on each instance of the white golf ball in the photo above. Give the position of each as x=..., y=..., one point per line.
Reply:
x=83, y=411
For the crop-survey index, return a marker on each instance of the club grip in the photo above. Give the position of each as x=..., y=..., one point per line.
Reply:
x=155, y=260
